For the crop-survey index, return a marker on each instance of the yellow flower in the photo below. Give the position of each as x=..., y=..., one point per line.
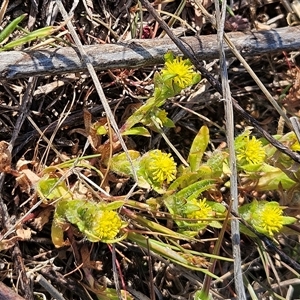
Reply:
x=250, y=152
x=271, y=219
x=180, y=71
x=161, y=166
x=266, y=217
x=295, y=144
x=199, y=209
x=107, y=225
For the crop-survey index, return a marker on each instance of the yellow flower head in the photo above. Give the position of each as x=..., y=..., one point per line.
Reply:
x=161, y=167
x=266, y=217
x=199, y=209
x=107, y=225
x=98, y=222
x=180, y=71
x=295, y=146
x=250, y=151
x=271, y=218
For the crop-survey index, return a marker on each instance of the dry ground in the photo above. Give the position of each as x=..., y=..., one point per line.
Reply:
x=71, y=269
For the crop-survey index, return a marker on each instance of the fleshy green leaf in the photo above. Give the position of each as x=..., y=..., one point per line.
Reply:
x=11, y=27
x=196, y=188
x=137, y=131
x=120, y=164
x=53, y=189
x=198, y=147
x=272, y=177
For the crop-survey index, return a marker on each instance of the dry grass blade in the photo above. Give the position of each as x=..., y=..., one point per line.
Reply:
x=229, y=117
x=3, y=9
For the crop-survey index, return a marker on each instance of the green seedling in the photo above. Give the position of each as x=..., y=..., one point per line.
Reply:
x=39, y=33
x=4, y=34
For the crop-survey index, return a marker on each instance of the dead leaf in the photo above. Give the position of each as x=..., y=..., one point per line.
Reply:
x=42, y=218
x=5, y=157
x=23, y=234
x=26, y=180
x=87, y=263
x=7, y=244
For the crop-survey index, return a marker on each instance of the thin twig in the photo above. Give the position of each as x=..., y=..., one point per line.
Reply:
x=229, y=117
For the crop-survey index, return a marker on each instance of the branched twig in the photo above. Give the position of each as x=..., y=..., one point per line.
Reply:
x=64, y=282
x=7, y=294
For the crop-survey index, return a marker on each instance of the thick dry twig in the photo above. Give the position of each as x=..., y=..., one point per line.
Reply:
x=7, y=294
x=138, y=53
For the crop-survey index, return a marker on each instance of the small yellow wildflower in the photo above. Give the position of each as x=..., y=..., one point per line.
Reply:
x=251, y=152
x=266, y=217
x=271, y=218
x=295, y=144
x=180, y=71
x=161, y=167
x=107, y=225
x=161, y=117
x=199, y=209
x=157, y=115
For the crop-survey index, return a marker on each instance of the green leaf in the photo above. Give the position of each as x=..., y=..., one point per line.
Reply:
x=11, y=27
x=114, y=205
x=120, y=164
x=272, y=178
x=137, y=131
x=217, y=207
x=289, y=220
x=39, y=33
x=215, y=224
x=53, y=189
x=202, y=295
x=196, y=78
x=196, y=188
x=101, y=130
x=169, y=56
x=198, y=147
x=216, y=163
